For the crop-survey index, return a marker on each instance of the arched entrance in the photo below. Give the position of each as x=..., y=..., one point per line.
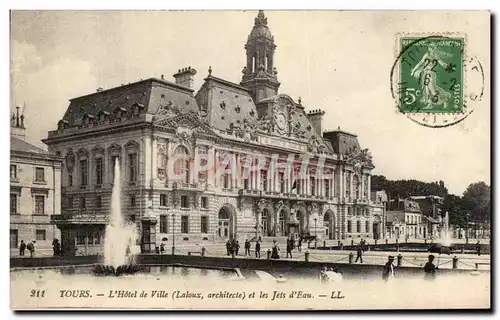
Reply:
x=329, y=225
x=266, y=222
x=302, y=218
x=226, y=228
x=283, y=220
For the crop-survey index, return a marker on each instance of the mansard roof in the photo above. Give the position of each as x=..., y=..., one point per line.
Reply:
x=23, y=146
x=149, y=94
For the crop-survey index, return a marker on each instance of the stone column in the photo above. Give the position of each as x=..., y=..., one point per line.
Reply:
x=237, y=171
x=196, y=164
x=217, y=175
x=362, y=191
x=257, y=175
x=210, y=170
x=234, y=170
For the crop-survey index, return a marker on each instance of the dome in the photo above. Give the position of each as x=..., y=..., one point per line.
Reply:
x=260, y=29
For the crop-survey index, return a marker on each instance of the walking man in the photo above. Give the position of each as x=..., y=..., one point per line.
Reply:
x=31, y=248
x=257, y=249
x=289, y=248
x=478, y=248
x=247, y=247
x=359, y=253
x=22, y=247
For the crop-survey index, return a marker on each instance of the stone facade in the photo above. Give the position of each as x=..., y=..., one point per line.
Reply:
x=161, y=130
x=35, y=191
x=405, y=220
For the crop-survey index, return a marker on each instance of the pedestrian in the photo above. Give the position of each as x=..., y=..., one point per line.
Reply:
x=275, y=250
x=300, y=244
x=257, y=249
x=388, y=271
x=54, y=242
x=228, y=248
x=31, y=248
x=237, y=247
x=22, y=247
x=289, y=248
x=247, y=247
x=359, y=253
x=430, y=269
x=478, y=248
x=162, y=248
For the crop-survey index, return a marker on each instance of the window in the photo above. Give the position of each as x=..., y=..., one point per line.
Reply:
x=83, y=203
x=40, y=235
x=99, y=171
x=349, y=226
x=40, y=205
x=263, y=180
x=204, y=202
x=367, y=226
x=70, y=180
x=132, y=165
x=348, y=185
x=80, y=237
x=13, y=203
x=114, y=161
x=327, y=187
x=226, y=180
x=181, y=164
x=13, y=171
x=184, y=202
x=358, y=226
x=132, y=200
x=184, y=224
x=132, y=218
x=69, y=202
x=204, y=224
x=98, y=202
x=163, y=200
x=281, y=181
x=312, y=181
x=163, y=224
x=356, y=184
x=39, y=174
x=83, y=172
x=246, y=184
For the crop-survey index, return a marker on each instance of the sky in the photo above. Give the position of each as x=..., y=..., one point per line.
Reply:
x=337, y=61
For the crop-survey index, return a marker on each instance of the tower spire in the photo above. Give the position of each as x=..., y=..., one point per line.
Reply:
x=259, y=75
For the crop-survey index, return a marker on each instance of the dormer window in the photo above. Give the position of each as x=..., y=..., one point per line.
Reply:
x=62, y=124
x=87, y=118
x=119, y=112
x=137, y=108
x=102, y=116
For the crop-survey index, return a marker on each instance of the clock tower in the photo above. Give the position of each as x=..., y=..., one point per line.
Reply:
x=259, y=75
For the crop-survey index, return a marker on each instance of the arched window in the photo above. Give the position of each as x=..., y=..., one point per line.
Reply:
x=358, y=226
x=355, y=182
x=181, y=165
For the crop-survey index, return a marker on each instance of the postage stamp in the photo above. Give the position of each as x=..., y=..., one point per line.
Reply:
x=431, y=74
x=429, y=79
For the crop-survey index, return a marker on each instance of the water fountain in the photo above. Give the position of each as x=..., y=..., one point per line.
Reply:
x=120, y=237
x=445, y=237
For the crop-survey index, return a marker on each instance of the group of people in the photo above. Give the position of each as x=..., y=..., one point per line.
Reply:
x=233, y=247
x=429, y=269
x=30, y=246
x=360, y=249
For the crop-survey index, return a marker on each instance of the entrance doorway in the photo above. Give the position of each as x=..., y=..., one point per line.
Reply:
x=266, y=221
x=225, y=225
x=13, y=238
x=375, y=228
x=283, y=222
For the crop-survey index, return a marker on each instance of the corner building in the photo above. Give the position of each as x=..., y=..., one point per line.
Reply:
x=149, y=124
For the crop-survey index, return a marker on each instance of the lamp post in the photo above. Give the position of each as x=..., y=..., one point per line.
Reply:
x=315, y=220
x=173, y=233
x=467, y=228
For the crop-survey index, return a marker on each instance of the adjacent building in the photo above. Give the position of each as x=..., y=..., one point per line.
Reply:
x=405, y=220
x=35, y=191
x=161, y=134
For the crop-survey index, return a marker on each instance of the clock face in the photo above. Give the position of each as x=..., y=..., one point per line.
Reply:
x=280, y=121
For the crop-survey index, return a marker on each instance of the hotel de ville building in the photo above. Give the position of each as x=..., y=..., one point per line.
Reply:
x=142, y=126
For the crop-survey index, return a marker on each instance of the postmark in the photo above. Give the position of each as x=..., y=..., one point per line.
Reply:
x=429, y=79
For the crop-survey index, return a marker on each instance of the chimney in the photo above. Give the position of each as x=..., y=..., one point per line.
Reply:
x=185, y=77
x=316, y=119
x=17, y=128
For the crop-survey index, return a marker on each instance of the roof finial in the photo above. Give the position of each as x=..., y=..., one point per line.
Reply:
x=300, y=100
x=162, y=77
x=261, y=19
x=210, y=70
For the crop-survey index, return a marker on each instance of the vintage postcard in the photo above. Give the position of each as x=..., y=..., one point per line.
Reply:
x=250, y=160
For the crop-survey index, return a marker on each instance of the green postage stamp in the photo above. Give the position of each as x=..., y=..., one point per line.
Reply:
x=431, y=78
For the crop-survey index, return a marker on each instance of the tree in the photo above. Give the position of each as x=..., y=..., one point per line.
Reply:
x=477, y=200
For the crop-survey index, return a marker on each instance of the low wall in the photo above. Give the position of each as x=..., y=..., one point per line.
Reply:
x=286, y=267
x=38, y=262
x=409, y=247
